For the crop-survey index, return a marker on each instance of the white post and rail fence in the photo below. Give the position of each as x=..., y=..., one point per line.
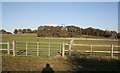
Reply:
x=8, y=49
x=62, y=49
x=91, y=51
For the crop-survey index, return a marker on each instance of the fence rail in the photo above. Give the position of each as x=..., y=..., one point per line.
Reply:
x=92, y=45
x=111, y=51
x=38, y=48
x=93, y=51
x=7, y=49
x=55, y=48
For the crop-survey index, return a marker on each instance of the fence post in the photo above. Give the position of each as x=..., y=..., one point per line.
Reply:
x=49, y=50
x=14, y=48
x=26, y=48
x=111, y=50
x=60, y=49
x=70, y=49
x=91, y=50
x=71, y=42
x=37, y=48
x=8, y=47
x=63, y=49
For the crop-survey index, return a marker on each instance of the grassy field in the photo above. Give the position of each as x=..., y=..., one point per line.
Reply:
x=68, y=64
x=33, y=38
x=34, y=63
x=28, y=38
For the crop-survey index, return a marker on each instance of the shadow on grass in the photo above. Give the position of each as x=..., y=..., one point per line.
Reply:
x=87, y=63
x=74, y=64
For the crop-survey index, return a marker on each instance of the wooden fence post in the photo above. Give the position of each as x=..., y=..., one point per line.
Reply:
x=91, y=50
x=14, y=48
x=63, y=50
x=70, y=45
x=111, y=50
x=70, y=49
x=49, y=50
x=60, y=49
x=37, y=48
x=26, y=48
x=8, y=47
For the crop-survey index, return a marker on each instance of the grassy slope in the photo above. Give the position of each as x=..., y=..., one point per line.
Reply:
x=32, y=63
x=58, y=64
x=28, y=38
x=34, y=38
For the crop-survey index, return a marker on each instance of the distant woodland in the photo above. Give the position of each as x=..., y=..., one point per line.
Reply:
x=67, y=31
x=73, y=31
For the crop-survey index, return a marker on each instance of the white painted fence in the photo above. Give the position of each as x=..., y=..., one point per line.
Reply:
x=8, y=49
x=38, y=48
x=59, y=48
x=111, y=51
x=26, y=47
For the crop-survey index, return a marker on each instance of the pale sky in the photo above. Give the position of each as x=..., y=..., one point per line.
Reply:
x=102, y=15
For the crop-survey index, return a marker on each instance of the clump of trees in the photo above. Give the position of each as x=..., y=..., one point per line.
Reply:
x=59, y=31
x=97, y=32
x=67, y=31
x=73, y=31
x=2, y=31
x=22, y=31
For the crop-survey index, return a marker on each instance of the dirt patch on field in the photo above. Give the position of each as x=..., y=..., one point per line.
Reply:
x=85, y=39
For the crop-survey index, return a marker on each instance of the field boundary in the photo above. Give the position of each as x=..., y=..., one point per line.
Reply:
x=6, y=49
x=111, y=51
x=38, y=47
x=61, y=48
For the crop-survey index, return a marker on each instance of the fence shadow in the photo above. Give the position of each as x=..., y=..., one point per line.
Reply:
x=87, y=63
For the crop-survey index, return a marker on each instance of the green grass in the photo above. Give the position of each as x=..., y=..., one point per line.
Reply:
x=89, y=36
x=23, y=38
x=59, y=64
x=34, y=63
x=34, y=38
x=28, y=38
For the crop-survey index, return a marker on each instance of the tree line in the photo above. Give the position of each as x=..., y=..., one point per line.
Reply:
x=22, y=31
x=73, y=31
x=2, y=31
x=59, y=31
x=18, y=31
x=65, y=31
